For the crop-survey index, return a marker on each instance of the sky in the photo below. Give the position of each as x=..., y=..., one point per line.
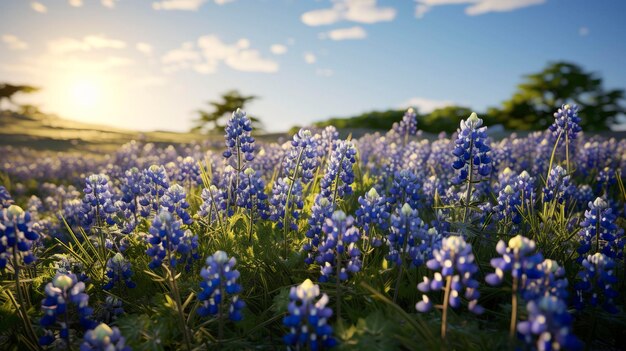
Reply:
x=149, y=64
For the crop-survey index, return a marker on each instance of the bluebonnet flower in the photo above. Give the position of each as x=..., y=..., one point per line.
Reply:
x=404, y=189
x=605, y=180
x=407, y=235
x=302, y=160
x=558, y=186
x=220, y=283
x=188, y=172
x=5, y=197
x=307, y=319
x=600, y=232
x=506, y=177
x=373, y=212
x=520, y=259
x=168, y=240
x=286, y=198
x=65, y=289
x=326, y=142
x=118, y=270
x=339, y=175
x=104, y=338
x=17, y=236
x=338, y=252
x=454, y=267
x=251, y=194
x=471, y=151
x=34, y=206
x=507, y=210
x=132, y=183
x=551, y=283
x=175, y=201
x=525, y=184
x=566, y=123
x=213, y=204
x=321, y=210
x=113, y=307
x=401, y=131
x=596, y=285
x=583, y=195
x=156, y=182
x=549, y=325
x=98, y=201
x=239, y=142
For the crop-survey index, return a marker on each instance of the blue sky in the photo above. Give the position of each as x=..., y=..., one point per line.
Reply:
x=149, y=64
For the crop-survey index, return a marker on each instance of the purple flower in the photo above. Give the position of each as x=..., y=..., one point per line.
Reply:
x=104, y=338
x=307, y=319
x=17, y=235
x=219, y=283
x=549, y=325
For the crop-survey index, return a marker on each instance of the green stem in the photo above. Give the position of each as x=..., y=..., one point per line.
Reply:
x=404, y=245
x=468, y=194
x=176, y=293
x=293, y=180
x=513, y=309
x=446, y=298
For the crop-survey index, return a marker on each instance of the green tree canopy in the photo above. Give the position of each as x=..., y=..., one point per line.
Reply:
x=7, y=91
x=215, y=120
x=444, y=119
x=533, y=104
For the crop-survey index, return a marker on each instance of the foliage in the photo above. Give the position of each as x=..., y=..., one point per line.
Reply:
x=215, y=120
x=119, y=259
x=531, y=106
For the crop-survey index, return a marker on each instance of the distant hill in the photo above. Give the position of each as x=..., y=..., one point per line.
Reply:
x=46, y=132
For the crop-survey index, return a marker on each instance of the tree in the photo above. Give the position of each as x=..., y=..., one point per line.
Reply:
x=7, y=91
x=533, y=105
x=444, y=119
x=216, y=119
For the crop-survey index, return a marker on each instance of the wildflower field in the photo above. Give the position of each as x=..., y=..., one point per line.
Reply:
x=386, y=242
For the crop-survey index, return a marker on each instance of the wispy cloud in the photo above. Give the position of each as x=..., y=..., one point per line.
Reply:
x=583, y=31
x=310, y=58
x=205, y=56
x=108, y=3
x=90, y=42
x=75, y=3
x=476, y=7
x=14, y=43
x=278, y=49
x=144, y=48
x=425, y=105
x=361, y=11
x=38, y=7
x=182, y=5
x=324, y=72
x=352, y=33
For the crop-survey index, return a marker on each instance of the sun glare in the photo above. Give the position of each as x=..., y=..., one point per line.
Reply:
x=85, y=94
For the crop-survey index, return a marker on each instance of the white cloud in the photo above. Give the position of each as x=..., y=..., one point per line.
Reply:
x=476, y=7
x=425, y=105
x=361, y=11
x=38, y=7
x=583, y=31
x=144, y=48
x=324, y=72
x=13, y=42
x=356, y=32
x=309, y=57
x=90, y=42
x=183, y=5
x=75, y=3
x=109, y=3
x=205, y=56
x=278, y=49
x=223, y=2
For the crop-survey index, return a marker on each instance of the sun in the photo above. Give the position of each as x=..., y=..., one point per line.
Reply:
x=85, y=94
